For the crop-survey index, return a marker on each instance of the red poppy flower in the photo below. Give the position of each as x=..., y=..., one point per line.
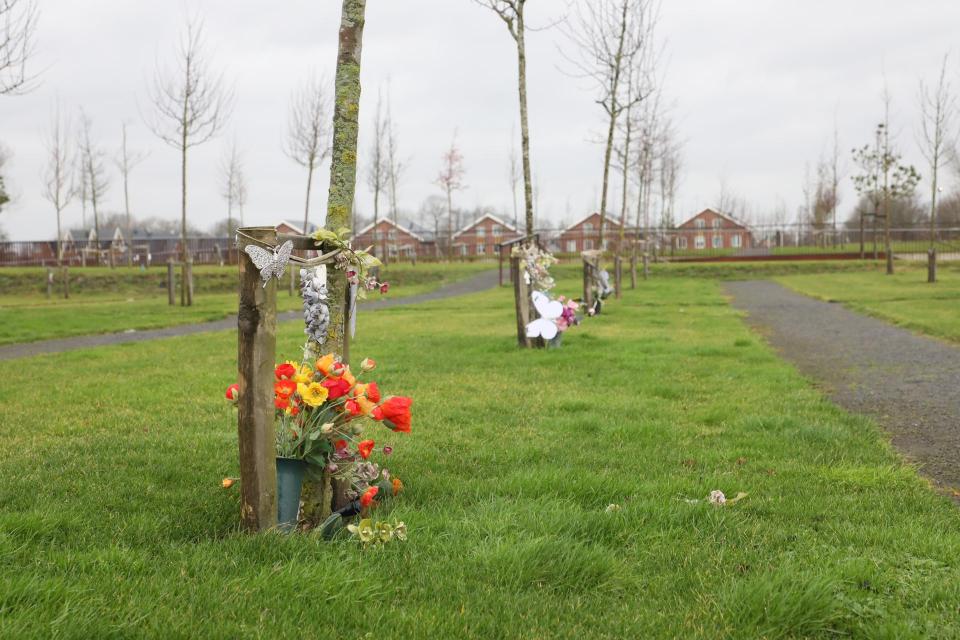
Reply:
x=233, y=392
x=284, y=388
x=340, y=444
x=338, y=387
x=365, y=448
x=384, y=287
x=373, y=392
x=281, y=402
x=284, y=371
x=352, y=407
x=395, y=413
x=368, y=496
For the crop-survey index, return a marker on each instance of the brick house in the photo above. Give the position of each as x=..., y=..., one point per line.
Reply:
x=481, y=237
x=295, y=228
x=400, y=242
x=712, y=230
x=584, y=235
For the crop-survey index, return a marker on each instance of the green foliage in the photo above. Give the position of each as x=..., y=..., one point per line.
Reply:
x=4, y=198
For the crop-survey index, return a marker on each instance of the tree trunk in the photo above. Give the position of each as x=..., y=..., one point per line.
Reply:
x=933, y=202
x=183, y=219
x=306, y=208
x=524, y=123
x=343, y=182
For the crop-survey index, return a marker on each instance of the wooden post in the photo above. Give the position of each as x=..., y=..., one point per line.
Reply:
x=189, y=279
x=219, y=253
x=171, y=284
x=66, y=282
x=633, y=271
x=646, y=265
x=587, y=283
x=49, y=283
x=521, y=296
x=931, y=265
x=500, y=262
x=256, y=359
x=292, y=279
x=617, y=275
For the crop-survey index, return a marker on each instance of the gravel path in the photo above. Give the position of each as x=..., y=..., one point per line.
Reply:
x=907, y=382
x=481, y=282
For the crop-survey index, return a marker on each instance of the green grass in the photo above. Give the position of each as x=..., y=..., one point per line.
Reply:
x=107, y=301
x=904, y=298
x=113, y=523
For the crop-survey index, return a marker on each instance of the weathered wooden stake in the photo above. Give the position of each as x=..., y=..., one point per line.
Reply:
x=256, y=359
x=633, y=271
x=49, y=283
x=292, y=280
x=171, y=284
x=587, y=283
x=931, y=265
x=617, y=275
x=646, y=265
x=189, y=280
x=521, y=297
x=66, y=282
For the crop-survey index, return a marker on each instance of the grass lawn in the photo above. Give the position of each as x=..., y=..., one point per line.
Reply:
x=904, y=298
x=113, y=522
x=107, y=301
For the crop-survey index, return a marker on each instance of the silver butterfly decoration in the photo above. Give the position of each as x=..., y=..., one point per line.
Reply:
x=270, y=263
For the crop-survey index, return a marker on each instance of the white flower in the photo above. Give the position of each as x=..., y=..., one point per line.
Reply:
x=612, y=508
x=717, y=497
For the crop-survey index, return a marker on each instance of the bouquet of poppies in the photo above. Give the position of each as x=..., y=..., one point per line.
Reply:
x=321, y=407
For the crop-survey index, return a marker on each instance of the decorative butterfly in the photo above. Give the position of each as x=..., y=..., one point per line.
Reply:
x=270, y=263
x=549, y=310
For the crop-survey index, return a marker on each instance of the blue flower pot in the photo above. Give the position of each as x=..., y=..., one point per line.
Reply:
x=289, y=485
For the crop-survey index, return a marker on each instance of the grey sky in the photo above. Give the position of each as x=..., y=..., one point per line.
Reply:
x=756, y=84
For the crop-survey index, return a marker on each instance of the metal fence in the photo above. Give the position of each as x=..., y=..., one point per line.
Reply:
x=140, y=252
x=762, y=242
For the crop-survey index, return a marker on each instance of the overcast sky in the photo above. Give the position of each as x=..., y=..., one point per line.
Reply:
x=756, y=85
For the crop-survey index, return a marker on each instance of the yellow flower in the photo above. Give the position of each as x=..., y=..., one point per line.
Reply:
x=304, y=374
x=312, y=394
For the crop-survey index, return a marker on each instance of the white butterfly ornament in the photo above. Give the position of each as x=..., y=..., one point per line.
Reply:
x=546, y=325
x=270, y=263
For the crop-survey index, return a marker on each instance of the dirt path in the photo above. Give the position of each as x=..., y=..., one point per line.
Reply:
x=909, y=383
x=476, y=284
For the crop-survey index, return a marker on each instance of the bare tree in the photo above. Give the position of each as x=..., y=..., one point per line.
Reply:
x=512, y=14
x=56, y=177
x=432, y=212
x=126, y=161
x=4, y=196
x=94, y=172
x=625, y=161
x=234, y=190
x=669, y=173
x=514, y=176
x=18, y=25
x=396, y=166
x=613, y=37
x=308, y=133
x=835, y=172
x=377, y=170
x=450, y=179
x=938, y=107
x=191, y=106
x=648, y=128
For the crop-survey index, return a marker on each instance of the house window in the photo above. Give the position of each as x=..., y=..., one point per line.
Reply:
x=699, y=242
x=588, y=245
x=572, y=246
x=699, y=224
x=481, y=232
x=716, y=223
x=463, y=249
x=481, y=249
x=735, y=241
x=682, y=242
x=392, y=250
x=497, y=231
x=392, y=234
x=587, y=227
x=717, y=241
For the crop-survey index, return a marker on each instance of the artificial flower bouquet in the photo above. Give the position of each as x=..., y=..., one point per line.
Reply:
x=321, y=408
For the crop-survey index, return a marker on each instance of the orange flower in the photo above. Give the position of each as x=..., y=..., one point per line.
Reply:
x=227, y=483
x=365, y=447
x=395, y=413
x=352, y=407
x=368, y=496
x=284, y=388
x=372, y=391
x=397, y=486
x=281, y=402
x=368, y=364
x=325, y=363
